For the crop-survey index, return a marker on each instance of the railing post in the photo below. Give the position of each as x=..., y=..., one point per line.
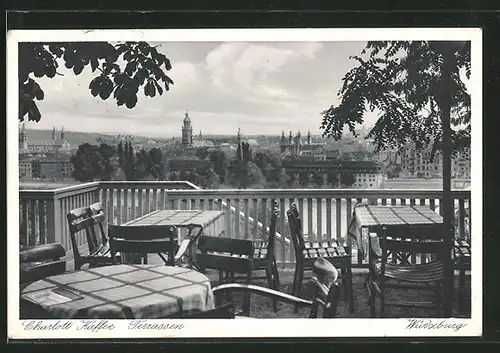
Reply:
x=54, y=221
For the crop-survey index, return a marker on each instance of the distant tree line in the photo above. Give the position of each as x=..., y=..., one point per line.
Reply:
x=106, y=162
x=245, y=169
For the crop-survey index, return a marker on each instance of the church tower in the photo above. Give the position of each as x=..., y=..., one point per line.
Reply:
x=283, y=142
x=187, y=131
x=297, y=147
x=54, y=135
x=62, y=134
x=309, y=140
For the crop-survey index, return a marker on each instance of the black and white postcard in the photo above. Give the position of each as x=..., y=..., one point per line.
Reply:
x=244, y=183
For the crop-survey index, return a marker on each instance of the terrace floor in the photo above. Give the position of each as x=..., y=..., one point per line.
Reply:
x=261, y=307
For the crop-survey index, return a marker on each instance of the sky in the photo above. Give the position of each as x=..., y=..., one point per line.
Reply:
x=258, y=87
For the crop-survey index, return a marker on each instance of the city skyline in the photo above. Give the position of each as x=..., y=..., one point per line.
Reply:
x=223, y=85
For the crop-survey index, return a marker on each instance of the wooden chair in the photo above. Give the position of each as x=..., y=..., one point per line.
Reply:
x=87, y=219
x=227, y=256
x=41, y=261
x=306, y=253
x=264, y=258
x=143, y=240
x=35, y=263
x=403, y=242
x=462, y=257
x=323, y=304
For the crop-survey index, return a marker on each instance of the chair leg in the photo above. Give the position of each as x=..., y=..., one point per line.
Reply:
x=372, y=299
x=276, y=275
x=246, y=299
x=440, y=300
x=295, y=279
x=461, y=291
x=382, y=303
x=351, y=290
x=298, y=288
x=343, y=275
x=271, y=285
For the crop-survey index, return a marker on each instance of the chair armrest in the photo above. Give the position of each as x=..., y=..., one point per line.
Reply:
x=375, y=249
x=183, y=249
x=267, y=292
x=45, y=252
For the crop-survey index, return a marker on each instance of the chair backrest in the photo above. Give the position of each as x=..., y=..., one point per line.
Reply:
x=41, y=261
x=272, y=230
x=96, y=213
x=223, y=254
x=151, y=239
x=78, y=221
x=402, y=241
x=295, y=225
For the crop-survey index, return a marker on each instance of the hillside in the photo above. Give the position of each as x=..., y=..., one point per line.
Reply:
x=73, y=137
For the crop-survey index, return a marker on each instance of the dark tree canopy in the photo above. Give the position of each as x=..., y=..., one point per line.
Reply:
x=145, y=68
x=402, y=80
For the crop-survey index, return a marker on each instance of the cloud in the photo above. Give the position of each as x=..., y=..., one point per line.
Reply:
x=250, y=85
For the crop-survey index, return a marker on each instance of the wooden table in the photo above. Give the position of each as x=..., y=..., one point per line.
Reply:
x=209, y=223
x=121, y=292
x=369, y=218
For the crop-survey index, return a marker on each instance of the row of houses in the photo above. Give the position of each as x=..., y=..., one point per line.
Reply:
x=421, y=164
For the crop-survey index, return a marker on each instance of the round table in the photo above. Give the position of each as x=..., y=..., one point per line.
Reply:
x=125, y=291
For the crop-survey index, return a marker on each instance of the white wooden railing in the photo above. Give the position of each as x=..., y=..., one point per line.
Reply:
x=326, y=213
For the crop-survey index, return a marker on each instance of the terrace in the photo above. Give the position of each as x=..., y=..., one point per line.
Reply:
x=326, y=213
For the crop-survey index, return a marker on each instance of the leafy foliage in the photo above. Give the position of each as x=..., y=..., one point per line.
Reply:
x=318, y=179
x=220, y=164
x=347, y=179
x=402, y=80
x=92, y=162
x=156, y=167
x=145, y=68
x=209, y=179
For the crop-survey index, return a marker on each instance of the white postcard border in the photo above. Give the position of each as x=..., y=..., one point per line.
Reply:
x=338, y=327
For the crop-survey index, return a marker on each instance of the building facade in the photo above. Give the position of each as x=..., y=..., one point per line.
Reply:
x=293, y=146
x=25, y=170
x=42, y=147
x=419, y=164
x=368, y=179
